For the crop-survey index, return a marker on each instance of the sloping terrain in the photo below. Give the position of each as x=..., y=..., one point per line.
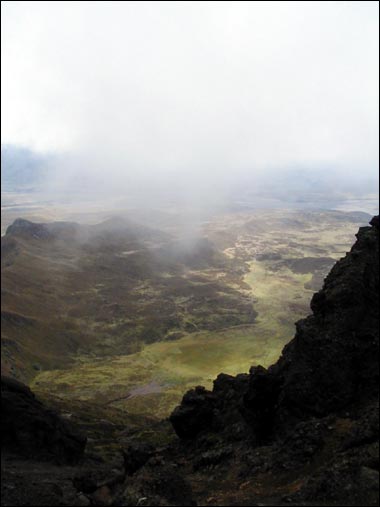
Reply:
x=305, y=431
x=131, y=317
x=106, y=289
x=271, y=260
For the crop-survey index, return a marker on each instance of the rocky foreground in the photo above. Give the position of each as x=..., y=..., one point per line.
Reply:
x=302, y=432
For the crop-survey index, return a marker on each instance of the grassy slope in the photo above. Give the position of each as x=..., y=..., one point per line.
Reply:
x=91, y=298
x=170, y=368
x=165, y=370
x=151, y=381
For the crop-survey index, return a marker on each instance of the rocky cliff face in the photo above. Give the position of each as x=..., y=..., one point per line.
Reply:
x=331, y=364
x=303, y=432
x=318, y=405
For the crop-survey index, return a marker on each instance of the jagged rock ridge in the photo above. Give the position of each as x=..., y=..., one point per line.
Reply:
x=315, y=412
x=302, y=432
x=330, y=365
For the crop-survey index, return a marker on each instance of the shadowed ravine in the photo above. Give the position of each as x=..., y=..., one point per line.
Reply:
x=302, y=432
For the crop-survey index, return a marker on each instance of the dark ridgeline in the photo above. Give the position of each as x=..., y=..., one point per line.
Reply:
x=330, y=365
x=302, y=432
x=327, y=376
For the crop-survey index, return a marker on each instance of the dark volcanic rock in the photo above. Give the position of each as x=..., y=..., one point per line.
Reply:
x=30, y=430
x=195, y=413
x=135, y=456
x=315, y=412
x=330, y=365
x=259, y=402
x=375, y=221
x=157, y=483
x=332, y=362
x=342, y=483
x=229, y=392
x=212, y=458
x=219, y=410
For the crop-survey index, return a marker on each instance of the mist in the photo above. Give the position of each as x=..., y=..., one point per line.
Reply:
x=194, y=101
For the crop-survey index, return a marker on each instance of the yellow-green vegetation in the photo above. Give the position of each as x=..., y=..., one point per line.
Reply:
x=280, y=298
x=158, y=322
x=153, y=380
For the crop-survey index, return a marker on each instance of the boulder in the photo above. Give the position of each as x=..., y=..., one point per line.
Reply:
x=31, y=430
x=157, y=483
x=135, y=456
x=195, y=413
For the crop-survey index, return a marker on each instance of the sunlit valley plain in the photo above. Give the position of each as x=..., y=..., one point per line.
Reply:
x=190, y=253
x=127, y=310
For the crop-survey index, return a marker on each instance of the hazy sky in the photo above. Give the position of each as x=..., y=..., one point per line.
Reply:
x=227, y=88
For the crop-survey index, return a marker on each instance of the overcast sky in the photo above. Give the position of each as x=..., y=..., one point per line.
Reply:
x=227, y=88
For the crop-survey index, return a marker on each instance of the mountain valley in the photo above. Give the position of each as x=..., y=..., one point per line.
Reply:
x=302, y=430
x=124, y=315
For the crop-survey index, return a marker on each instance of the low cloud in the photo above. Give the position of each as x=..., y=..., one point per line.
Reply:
x=188, y=97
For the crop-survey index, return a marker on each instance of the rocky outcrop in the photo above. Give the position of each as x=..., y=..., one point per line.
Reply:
x=303, y=432
x=157, y=483
x=214, y=411
x=25, y=228
x=195, y=413
x=30, y=430
x=331, y=365
x=306, y=430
